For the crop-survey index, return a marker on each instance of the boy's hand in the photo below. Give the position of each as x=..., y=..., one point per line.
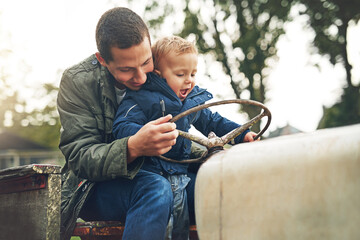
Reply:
x=154, y=138
x=249, y=137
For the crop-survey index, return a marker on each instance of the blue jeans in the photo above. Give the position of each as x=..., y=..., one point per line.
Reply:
x=144, y=203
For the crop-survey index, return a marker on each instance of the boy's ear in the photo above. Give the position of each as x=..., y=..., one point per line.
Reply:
x=157, y=72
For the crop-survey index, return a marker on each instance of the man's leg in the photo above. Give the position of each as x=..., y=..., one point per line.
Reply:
x=145, y=203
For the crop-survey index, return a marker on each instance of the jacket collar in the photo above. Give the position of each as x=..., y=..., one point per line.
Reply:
x=108, y=85
x=156, y=83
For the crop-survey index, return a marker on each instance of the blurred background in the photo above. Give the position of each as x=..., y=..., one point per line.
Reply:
x=298, y=57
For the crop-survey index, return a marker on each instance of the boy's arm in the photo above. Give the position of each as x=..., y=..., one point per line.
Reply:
x=214, y=122
x=128, y=120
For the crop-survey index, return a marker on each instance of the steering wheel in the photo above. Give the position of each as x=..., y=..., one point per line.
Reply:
x=214, y=143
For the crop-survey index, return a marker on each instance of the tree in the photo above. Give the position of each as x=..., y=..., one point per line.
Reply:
x=330, y=19
x=40, y=124
x=8, y=95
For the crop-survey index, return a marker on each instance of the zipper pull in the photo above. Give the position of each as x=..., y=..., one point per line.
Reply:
x=162, y=104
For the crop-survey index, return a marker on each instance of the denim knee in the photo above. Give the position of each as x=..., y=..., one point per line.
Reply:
x=165, y=193
x=158, y=192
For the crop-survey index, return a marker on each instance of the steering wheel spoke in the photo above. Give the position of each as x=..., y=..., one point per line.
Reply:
x=201, y=140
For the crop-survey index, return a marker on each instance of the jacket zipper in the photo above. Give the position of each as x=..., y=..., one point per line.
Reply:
x=162, y=105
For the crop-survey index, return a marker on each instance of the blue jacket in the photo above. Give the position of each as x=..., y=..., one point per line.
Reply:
x=140, y=107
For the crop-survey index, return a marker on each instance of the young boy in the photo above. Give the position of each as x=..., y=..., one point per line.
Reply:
x=171, y=90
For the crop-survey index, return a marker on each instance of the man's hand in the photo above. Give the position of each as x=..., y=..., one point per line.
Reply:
x=155, y=138
x=249, y=137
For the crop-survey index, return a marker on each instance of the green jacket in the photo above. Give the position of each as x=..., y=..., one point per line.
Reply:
x=87, y=106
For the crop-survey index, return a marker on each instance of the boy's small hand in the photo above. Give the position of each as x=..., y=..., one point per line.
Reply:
x=249, y=137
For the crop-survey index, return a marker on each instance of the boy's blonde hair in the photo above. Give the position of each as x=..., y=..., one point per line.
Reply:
x=174, y=44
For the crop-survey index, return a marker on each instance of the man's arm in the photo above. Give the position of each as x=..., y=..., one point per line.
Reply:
x=82, y=138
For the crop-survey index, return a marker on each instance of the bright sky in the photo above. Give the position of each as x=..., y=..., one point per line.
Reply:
x=45, y=37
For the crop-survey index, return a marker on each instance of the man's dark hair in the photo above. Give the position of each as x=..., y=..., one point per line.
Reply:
x=119, y=27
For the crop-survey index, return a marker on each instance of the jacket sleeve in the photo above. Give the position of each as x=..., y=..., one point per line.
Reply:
x=82, y=138
x=129, y=119
x=214, y=122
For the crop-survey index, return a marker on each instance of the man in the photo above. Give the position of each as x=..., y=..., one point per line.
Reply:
x=102, y=178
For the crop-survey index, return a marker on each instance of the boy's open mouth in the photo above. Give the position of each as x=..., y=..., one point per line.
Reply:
x=183, y=93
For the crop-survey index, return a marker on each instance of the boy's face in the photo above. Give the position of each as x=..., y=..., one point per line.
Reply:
x=179, y=72
x=130, y=65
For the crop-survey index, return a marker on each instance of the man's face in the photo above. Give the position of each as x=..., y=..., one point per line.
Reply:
x=179, y=72
x=130, y=65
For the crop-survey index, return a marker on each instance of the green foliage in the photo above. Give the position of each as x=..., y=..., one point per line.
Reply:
x=342, y=113
x=45, y=134
x=39, y=125
x=330, y=19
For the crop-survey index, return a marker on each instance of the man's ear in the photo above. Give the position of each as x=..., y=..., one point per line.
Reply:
x=100, y=59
